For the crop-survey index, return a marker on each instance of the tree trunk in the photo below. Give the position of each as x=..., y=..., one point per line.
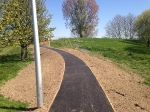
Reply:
x=22, y=52
x=81, y=36
x=26, y=51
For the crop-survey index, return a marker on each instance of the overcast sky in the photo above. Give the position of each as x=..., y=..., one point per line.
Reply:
x=107, y=10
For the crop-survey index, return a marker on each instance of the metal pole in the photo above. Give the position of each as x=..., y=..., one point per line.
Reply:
x=37, y=57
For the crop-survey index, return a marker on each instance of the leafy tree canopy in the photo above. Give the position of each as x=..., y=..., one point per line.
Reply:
x=16, y=23
x=142, y=25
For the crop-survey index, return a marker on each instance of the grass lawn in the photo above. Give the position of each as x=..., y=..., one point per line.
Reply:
x=128, y=54
x=10, y=65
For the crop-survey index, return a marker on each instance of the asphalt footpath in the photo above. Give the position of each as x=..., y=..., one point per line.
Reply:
x=79, y=90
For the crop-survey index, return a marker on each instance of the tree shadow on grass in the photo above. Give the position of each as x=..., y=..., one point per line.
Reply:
x=14, y=58
x=18, y=109
x=133, y=42
x=10, y=58
x=137, y=47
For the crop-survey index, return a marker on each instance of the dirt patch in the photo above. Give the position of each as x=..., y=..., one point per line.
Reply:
x=122, y=88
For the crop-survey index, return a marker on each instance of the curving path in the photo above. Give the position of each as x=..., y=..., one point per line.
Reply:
x=79, y=91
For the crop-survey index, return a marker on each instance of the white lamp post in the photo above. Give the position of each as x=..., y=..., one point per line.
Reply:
x=37, y=57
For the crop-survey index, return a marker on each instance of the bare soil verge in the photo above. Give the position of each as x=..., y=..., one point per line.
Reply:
x=122, y=88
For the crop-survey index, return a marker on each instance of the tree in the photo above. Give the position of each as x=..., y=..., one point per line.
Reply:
x=113, y=28
x=121, y=26
x=81, y=16
x=16, y=23
x=142, y=26
x=131, y=18
x=44, y=18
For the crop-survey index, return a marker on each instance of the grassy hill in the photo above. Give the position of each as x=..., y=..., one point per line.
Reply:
x=133, y=55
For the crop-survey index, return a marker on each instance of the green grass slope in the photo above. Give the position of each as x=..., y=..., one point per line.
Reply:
x=134, y=54
x=10, y=64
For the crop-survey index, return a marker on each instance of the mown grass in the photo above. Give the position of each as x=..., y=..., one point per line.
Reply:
x=130, y=54
x=6, y=105
x=10, y=64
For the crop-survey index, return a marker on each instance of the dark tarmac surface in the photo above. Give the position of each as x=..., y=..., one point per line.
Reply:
x=79, y=91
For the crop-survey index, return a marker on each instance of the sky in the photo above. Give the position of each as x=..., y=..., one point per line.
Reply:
x=108, y=9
